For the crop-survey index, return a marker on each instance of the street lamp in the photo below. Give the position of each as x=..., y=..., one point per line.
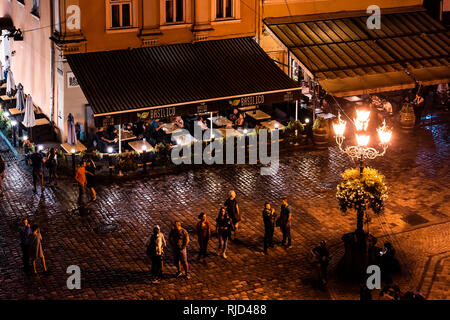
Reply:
x=361, y=151
x=73, y=159
x=13, y=131
x=144, y=156
x=110, y=150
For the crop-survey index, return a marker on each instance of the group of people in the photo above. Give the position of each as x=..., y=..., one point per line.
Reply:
x=31, y=246
x=227, y=224
x=38, y=161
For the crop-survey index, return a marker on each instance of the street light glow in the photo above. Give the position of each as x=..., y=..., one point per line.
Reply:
x=144, y=148
x=40, y=147
x=362, y=119
x=110, y=149
x=362, y=139
x=384, y=134
x=14, y=123
x=72, y=151
x=339, y=127
x=307, y=120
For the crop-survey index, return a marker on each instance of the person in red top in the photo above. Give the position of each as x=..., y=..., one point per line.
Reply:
x=80, y=177
x=203, y=234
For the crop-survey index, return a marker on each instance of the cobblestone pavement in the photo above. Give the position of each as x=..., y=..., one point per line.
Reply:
x=108, y=244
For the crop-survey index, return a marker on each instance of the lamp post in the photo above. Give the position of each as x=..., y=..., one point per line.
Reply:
x=144, y=156
x=362, y=151
x=13, y=131
x=72, y=151
x=110, y=150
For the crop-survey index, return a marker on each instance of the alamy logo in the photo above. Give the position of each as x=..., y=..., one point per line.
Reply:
x=374, y=20
x=374, y=280
x=214, y=152
x=73, y=17
x=74, y=280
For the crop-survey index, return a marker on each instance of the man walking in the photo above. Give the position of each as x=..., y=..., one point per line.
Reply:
x=80, y=177
x=37, y=161
x=269, y=218
x=25, y=232
x=321, y=258
x=179, y=240
x=285, y=222
x=233, y=210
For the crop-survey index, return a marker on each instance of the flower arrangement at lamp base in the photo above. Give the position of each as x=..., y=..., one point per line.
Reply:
x=361, y=192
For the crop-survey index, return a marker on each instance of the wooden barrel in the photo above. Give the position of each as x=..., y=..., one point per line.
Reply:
x=320, y=138
x=407, y=117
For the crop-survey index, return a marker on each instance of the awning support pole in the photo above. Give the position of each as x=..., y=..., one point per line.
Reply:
x=296, y=116
x=211, y=118
x=120, y=139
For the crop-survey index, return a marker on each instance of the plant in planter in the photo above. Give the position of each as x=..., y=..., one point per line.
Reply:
x=292, y=128
x=321, y=132
x=407, y=117
x=361, y=192
x=163, y=152
x=127, y=162
x=5, y=124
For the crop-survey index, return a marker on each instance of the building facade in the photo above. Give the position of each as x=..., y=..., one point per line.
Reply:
x=54, y=29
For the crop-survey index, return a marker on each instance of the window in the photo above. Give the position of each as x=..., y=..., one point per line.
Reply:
x=224, y=9
x=174, y=11
x=21, y=1
x=121, y=13
x=35, y=8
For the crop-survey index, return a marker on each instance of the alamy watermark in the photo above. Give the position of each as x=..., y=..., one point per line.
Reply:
x=374, y=20
x=188, y=149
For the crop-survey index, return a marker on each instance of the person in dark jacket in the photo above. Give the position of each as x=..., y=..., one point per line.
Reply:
x=52, y=166
x=35, y=247
x=2, y=175
x=321, y=258
x=25, y=232
x=203, y=234
x=224, y=226
x=269, y=218
x=285, y=222
x=233, y=210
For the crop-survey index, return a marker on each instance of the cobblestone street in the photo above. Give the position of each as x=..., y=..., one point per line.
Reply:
x=109, y=244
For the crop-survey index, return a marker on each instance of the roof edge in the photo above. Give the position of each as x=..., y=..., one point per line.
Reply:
x=337, y=15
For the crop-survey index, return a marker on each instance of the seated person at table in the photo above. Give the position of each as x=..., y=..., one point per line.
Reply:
x=326, y=108
x=128, y=127
x=239, y=122
x=101, y=140
x=202, y=123
x=234, y=115
x=179, y=122
x=162, y=136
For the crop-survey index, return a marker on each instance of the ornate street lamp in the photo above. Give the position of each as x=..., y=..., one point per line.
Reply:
x=362, y=151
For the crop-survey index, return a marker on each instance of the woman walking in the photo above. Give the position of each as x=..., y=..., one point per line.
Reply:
x=224, y=226
x=155, y=249
x=203, y=234
x=2, y=175
x=52, y=165
x=90, y=178
x=36, y=251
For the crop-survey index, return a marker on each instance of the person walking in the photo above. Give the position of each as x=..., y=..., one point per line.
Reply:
x=179, y=240
x=269, y=218
x=233, y=211
x=203, y=234
x=37, y=161
x=285, y=222
x=80, y=177
x=52, y=164
x=25, y=233
x=90, y=178
x=418, y=106
x=36, y=251
x=321, y=258
x=224, y=226
x=2, y=176
x=155, y=250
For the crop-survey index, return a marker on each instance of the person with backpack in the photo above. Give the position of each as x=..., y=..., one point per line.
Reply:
x=155, y=250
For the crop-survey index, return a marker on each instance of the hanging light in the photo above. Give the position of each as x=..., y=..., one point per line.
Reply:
x=362, y=119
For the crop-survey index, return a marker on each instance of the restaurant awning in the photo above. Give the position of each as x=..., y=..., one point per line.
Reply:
x=347, y=58
x=178, y=79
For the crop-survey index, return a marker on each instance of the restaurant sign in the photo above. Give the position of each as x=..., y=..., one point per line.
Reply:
x=252, y=100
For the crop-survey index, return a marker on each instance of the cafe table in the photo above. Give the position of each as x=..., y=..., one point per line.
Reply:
x=170, y=128
x=220, y=121
x=137, y=146
x=69, y=148
x=127, y=135
x=183, y=139
x=272, y=125
x=258, y=115
x=229, y=132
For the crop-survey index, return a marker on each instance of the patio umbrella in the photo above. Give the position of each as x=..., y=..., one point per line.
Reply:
x=71, y=133
x=29, y=120
x=10, y=84
x=20, y=98
x=2, y=77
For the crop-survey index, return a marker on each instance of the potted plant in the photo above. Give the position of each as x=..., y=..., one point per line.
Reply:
x=407, y=117
x=126, y=162
x=321, y=133
x=294, y=132
x=163, y=152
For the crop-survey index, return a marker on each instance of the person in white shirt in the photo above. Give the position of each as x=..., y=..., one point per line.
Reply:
x=6, y=67
x=155, y=250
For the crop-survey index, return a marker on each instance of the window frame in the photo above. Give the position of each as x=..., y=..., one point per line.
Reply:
x=174, y=13
x=224, y=8
x=36, y=8
x=109, y=14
